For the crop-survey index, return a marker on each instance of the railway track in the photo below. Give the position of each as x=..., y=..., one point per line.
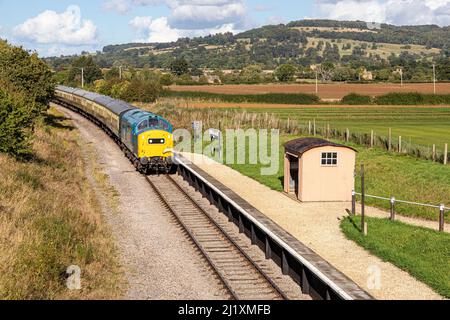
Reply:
x=244, y=279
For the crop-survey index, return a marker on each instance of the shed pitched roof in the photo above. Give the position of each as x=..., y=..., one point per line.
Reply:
x=302, y=145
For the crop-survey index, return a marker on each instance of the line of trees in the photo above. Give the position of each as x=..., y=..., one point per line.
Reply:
x=26, y=88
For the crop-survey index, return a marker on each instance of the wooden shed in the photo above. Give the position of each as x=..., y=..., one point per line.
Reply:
x=319, y=170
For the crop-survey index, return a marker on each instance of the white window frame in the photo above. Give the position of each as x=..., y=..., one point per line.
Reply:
x=331, y=159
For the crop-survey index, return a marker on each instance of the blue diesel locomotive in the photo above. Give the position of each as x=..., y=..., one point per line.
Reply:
x=145, y=138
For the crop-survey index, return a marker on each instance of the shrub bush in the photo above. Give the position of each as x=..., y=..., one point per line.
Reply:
x=357, y=99
x=275, y=98
x=412, y=98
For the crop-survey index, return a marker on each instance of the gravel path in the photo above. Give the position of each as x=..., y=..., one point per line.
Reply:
x=317, y=226
x=159, y=260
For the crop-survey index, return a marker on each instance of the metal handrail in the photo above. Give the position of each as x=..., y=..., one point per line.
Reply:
x=406, y=202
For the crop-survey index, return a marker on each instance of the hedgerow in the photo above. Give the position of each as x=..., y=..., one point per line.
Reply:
x=275, y=98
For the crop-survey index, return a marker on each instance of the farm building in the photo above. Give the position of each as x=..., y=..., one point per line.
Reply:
x=319, y=170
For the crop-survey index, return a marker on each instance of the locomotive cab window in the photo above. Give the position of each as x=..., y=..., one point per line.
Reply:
x=153, y=122
x=163, y=125
x=143, y=125
x=329, y=159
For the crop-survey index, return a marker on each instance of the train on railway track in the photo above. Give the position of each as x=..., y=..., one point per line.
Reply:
x=145, y=138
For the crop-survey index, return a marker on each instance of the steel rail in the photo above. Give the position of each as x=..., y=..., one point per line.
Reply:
x=232, y=286
x=263, y=273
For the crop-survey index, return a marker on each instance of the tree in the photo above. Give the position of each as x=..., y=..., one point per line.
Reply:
x=326, y=70
x=443, y=69
x=252, y=74
x=166, y=79
x=91, y=71
x=16, y=123
x=26, y=88
x=26, y=72
x=344, y=74
x=285, y=72
x=179, y=67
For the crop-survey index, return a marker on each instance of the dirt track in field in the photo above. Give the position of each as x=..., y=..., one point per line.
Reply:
x=326, y=91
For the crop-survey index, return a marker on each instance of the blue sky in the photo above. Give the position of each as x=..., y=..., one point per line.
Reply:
x=54, y=27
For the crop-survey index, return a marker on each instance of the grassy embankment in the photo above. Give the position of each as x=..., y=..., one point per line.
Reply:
x=421, y=252
x=50, y=219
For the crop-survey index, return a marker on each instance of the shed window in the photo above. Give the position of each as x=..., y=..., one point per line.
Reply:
x=329, y=159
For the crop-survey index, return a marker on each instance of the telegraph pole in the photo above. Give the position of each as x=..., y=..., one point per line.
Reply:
x=363, y=199
x=401, y=77
x=434, y=78
x=317, y=82
x=120, y=72
x=82, y=77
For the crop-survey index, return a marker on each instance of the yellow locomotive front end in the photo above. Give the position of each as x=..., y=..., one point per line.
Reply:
x=155, y=144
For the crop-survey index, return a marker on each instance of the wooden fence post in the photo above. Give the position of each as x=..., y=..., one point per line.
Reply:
x=445, y=153
x=389, y=139
x=441, y=217
x=309, y=127
x=371, y=139
x=392, y=208
x=348, y=135
x=353, y=203
x=363, y=199
x=314, y=127
x=400, y=144
x=434, y=152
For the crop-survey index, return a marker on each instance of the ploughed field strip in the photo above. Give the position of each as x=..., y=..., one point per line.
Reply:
x=242, y=276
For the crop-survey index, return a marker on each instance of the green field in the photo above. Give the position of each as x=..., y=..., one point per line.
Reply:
x=417, y=125
x=421, y=252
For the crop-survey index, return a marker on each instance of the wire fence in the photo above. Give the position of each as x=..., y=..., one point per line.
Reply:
x=393, y=201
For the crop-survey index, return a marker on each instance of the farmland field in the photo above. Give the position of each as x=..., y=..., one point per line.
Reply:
x=326, y=91
x=419, y=125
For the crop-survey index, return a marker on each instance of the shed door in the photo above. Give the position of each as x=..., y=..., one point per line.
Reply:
x=293, y=175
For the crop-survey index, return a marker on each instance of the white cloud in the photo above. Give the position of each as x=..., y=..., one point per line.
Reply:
x=65, y=28
x=122, y=6
x=190, y=14
x=207, y=13
x=154, y=30
x=400, y=12
x=159, y=30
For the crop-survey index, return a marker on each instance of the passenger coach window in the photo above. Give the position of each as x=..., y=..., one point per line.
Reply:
x=143, y=125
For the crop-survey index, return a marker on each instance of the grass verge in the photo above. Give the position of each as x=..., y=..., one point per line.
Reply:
x=50, y=219
x=419, y=251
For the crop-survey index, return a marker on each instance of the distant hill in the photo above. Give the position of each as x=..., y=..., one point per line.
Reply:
x=302, y=42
